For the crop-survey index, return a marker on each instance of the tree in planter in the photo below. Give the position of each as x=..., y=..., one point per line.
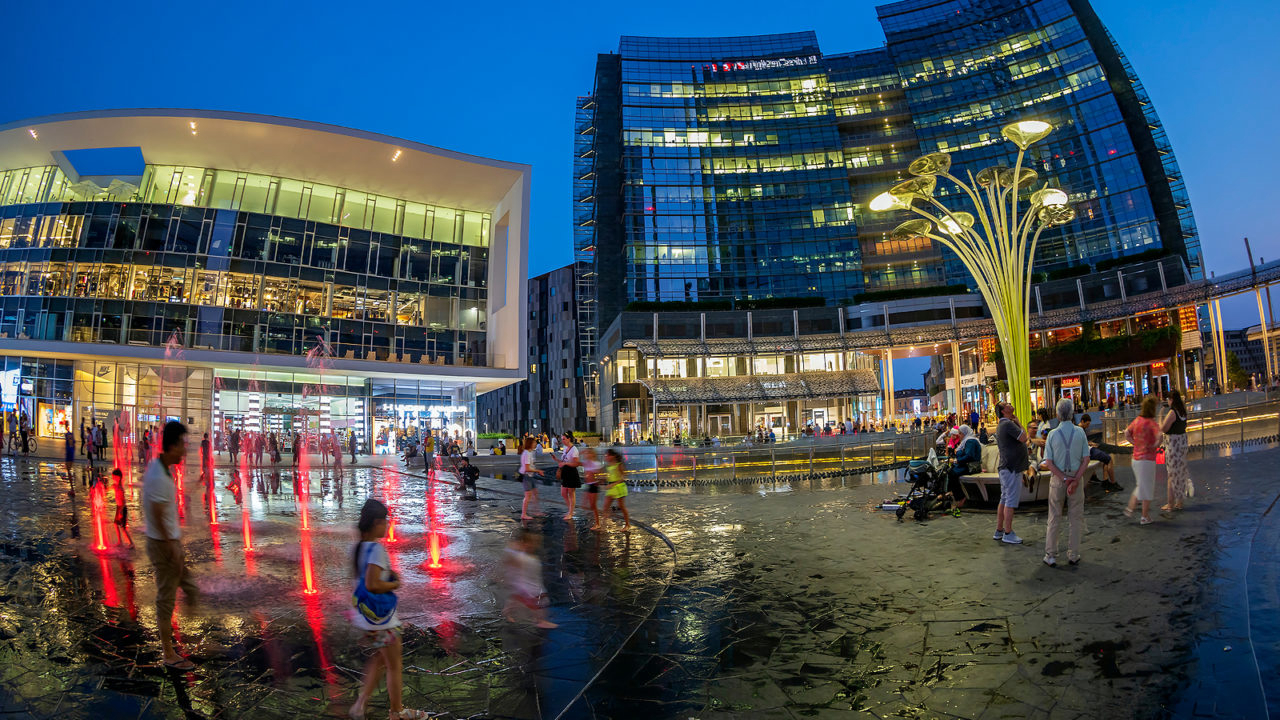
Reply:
x=1235, y=372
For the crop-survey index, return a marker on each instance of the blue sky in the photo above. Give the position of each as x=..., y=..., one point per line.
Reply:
x=499, y=79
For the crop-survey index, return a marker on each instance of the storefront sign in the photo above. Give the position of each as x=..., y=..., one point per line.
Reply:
x=1071, y=382
x=1157, y=368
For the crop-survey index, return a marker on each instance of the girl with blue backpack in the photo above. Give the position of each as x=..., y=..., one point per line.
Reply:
x=374, y=600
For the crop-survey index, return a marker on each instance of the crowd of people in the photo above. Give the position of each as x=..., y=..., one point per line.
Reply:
x=1063, y=443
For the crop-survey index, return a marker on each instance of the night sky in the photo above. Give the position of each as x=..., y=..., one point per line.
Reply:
x=499, y=79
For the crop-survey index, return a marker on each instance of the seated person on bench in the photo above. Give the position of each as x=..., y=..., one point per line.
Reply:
x=968, y=461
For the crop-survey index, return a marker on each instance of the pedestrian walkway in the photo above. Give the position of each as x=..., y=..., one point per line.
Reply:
x=787, y=600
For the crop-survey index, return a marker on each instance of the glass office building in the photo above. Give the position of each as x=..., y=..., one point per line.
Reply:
x=237, y=271
x=715, y=169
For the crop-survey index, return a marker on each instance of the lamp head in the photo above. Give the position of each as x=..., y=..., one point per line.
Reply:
x=1024, y=133
x=1048, y=196
x=917, y=187
x=910, y=229
x=955, y=228
x=987, y=177
x=1051, y=215
x=885, y=202
x=1026, y=178
x=934, y=163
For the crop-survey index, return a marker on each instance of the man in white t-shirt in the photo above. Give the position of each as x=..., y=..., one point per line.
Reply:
x=164, y=538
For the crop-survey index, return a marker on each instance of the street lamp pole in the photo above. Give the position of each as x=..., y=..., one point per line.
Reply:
x=1000, y=249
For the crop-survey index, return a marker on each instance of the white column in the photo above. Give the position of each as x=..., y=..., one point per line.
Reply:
x=955, y=370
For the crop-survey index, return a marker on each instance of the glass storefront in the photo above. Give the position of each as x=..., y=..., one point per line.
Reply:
x=127, y=398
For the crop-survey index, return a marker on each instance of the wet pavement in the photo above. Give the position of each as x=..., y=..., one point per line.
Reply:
x=77, y=626
x=780, y=600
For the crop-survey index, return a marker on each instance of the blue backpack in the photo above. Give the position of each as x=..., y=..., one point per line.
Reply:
x=376, y=608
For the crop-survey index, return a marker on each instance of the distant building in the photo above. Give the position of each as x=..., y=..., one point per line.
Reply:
x=552, y=399
x=911, y=402
x=1246, y=343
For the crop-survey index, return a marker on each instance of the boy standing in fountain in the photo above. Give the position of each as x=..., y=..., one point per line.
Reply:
x=164, y=538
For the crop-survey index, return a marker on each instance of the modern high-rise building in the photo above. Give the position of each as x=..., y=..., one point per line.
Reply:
x=554, y=398
x=721, y=169
x=252, y=272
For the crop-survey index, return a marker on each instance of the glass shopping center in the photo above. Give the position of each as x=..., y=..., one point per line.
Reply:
x=239, y=283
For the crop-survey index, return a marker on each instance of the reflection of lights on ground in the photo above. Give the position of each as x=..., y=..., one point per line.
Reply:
x=109, y=597
x=724, y=528
x=308, y=582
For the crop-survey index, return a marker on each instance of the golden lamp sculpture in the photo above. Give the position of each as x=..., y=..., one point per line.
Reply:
x=996, y=242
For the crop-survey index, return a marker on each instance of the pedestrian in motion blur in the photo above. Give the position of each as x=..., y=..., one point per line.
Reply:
x=524, y=580
x=164, y=538
x=616, y=477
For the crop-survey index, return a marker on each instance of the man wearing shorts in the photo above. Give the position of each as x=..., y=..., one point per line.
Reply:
x=1011, y=440
x=164, y=538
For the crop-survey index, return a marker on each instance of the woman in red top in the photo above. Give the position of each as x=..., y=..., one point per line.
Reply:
x=1144, y=434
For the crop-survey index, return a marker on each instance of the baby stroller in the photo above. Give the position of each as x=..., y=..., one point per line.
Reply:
x=928, y=489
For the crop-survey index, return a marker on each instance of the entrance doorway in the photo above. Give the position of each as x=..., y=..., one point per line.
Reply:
x=719, y=425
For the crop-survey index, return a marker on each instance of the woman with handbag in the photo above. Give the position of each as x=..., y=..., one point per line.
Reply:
x=1178, y=476
x=375, y=601
x=570, y=461
x=1144, y=434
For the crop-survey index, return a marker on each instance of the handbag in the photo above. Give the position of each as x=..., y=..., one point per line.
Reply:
x=376, y=608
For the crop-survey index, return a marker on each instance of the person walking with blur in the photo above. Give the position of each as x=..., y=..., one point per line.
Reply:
x=616, y=477
x=1144, y=434
x=1066, y=452
x=592, y=468
x=524, y=580
x=164, y=538
x=1174, y=426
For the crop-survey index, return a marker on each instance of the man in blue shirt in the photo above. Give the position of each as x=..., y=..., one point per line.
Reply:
x=1066, y=453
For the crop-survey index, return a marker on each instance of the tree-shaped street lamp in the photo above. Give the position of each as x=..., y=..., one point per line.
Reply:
x=995, y=242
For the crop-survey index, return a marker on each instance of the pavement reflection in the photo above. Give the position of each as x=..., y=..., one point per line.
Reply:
x=272, y=637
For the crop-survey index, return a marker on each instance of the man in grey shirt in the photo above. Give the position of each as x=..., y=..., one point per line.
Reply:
x=1011, y=439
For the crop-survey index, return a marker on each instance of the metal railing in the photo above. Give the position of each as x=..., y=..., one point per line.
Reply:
x=820, y=458
x=1250, y=422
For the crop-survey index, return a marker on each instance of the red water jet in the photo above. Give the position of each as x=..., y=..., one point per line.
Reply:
x=308, y=582
x=97, y=497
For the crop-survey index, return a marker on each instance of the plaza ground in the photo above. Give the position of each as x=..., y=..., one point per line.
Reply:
x=786, y=600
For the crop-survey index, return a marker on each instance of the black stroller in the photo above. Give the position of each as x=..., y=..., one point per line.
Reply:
x=928, y=489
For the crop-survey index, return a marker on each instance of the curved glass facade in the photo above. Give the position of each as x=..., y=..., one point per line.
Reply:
x=229, y=297
x=139, y=272
x=734, y=175
x=722, y=168
x=967, y=70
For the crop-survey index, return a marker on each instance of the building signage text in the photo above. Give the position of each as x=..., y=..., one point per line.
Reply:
x=772, y=64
